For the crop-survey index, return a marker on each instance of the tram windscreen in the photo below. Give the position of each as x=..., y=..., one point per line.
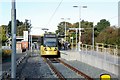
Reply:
x=50, y=42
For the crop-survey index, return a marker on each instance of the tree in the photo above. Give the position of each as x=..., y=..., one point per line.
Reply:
x=61, y=27
x=21, y=26
x=102, y=25
x=109, y=36
x=3, y=33
x=86, y=36
x=84, y=24
x=18, y=23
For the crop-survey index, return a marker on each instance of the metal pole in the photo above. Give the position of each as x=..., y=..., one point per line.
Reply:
x=76, y=38
x=29, y=33
x=29, y=39
x=65, y=30
x=31, y=43
x=93, y=38
x=72, y=43
x=13, y=57
x=79, y=29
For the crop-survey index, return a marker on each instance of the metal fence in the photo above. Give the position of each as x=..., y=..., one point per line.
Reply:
x=109, y=50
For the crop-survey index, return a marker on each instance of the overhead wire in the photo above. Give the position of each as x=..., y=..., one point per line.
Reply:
x=54, y=13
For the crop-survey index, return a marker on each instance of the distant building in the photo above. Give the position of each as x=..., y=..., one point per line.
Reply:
x=119, y=13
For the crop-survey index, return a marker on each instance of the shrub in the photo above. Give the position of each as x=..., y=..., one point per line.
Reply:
x=6, y=53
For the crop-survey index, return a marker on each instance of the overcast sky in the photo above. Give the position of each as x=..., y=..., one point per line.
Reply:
x=40, y=12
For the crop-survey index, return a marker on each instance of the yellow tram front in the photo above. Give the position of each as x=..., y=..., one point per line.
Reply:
x=50, y=46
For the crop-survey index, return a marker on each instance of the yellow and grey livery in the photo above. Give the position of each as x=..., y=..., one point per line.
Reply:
x=49, y=46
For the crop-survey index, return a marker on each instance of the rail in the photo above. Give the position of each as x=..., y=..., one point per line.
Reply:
x=75, y=70
x=59, y=75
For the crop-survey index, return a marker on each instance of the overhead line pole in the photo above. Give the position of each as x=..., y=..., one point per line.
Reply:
x=65, y=30
x=13, y=57
x=79, y=43
x=65, y=19
x=93, y=40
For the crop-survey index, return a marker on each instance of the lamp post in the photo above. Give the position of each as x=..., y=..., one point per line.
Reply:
x=13, y=57
x=29, y=30
x=65, y=25
x=30, y=37
x=31, y=42
x=79, y=24
x=72, y=41
x=93, y=38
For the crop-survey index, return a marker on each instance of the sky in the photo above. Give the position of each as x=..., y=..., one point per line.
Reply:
x=40, y=12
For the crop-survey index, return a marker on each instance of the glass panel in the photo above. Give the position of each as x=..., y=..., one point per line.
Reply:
x=50, y=42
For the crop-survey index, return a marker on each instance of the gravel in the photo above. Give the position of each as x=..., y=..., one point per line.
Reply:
x=34, y=67
x=66, y=72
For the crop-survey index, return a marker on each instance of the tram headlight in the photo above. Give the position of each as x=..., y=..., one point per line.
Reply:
x=55, y=49
x=45, y=49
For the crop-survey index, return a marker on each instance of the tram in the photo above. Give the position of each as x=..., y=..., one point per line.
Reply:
x=49, y=46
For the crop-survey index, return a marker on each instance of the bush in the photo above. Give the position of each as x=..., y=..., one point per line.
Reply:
x=0, y=53
x=6, y=53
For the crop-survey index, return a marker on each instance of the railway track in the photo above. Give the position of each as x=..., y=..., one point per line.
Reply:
x=59, y=74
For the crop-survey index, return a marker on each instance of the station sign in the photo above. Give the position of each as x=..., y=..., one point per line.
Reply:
x=25, y=36
x=49, y=35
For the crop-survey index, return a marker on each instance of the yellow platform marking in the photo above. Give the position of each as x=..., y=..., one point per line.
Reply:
x=105, y=77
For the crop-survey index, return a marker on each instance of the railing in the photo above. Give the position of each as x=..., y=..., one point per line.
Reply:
x=110, y=50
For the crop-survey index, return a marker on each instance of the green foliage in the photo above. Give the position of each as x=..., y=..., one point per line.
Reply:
x=102, y=25
x=20, y=30
x=21, y=26
x=6, y=30
x=3, y=33
x=103, y=32
x=75, y=25
x=6, y=54
x=61, y=27
x=18, y=23
x=86, y=36
x=84, y=24
x=109, y=36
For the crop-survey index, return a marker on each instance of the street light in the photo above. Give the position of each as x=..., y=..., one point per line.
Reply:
x=13, y=57
x=30, y=39
x=79, y=24
x=93, y=37
x=65, y=25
